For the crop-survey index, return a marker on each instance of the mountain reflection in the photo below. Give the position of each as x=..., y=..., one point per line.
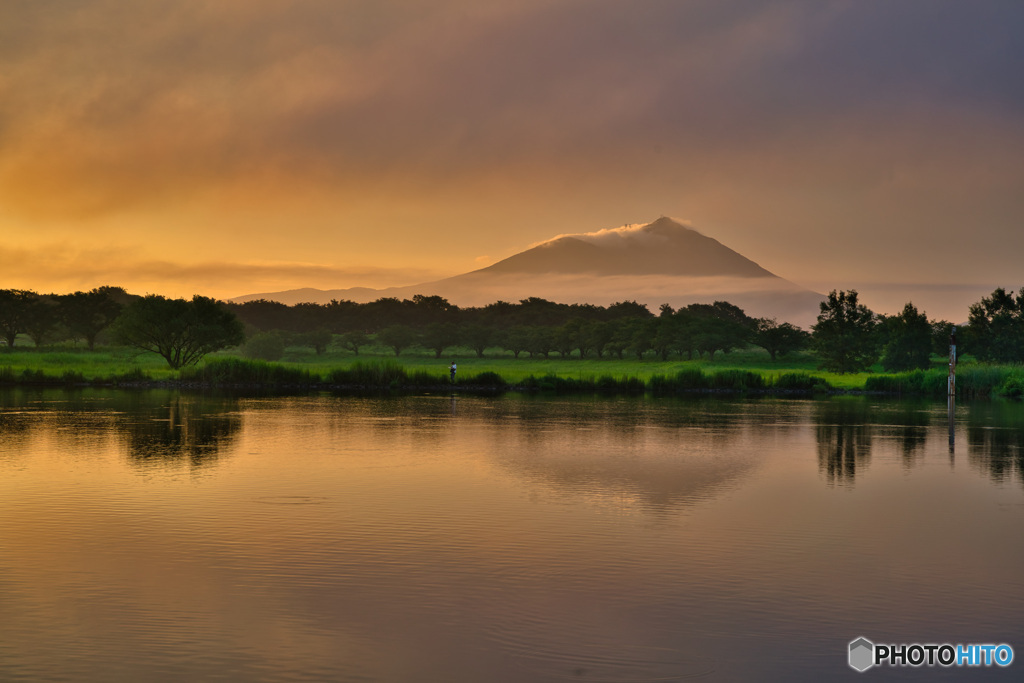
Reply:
x=995, y=439
x=844, y=437
x=626, y=454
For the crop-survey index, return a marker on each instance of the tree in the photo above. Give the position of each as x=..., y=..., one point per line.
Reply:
x=996, y=327
x=431, y=309
x=564, y=339
x=265, y=315
x=573, y=335
x=517, y=340
x=15, y=309
x=908, y=340
x=439, y=336
x=627, y=309
x=353, y=340
x=779, y=339
x=598, y=335
x=42, y=320
x=182, y=332
x=642, y=338
x=718, y=334
x=665, y=337
x=477, y=337
x=86, y=314
x=941, y=331
x=398, y=337
x=844, y=334
x=720, y=326
x=541, y=341
x=622, y=331
x=319, y=339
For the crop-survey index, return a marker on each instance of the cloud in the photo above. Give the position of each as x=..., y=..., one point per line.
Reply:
x=108, y=105
x=61, y=269
x=630, y=234
x=828, y=138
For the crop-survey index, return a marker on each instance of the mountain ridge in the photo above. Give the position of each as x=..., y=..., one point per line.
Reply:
x=663, y=261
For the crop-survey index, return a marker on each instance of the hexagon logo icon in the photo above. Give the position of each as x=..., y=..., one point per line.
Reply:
x=862, y=654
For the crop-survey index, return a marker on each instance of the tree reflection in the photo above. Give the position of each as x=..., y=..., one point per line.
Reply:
x=182, y=429
x=995, y=439
x=15, y=426
x=844, y=439
x=907, y=421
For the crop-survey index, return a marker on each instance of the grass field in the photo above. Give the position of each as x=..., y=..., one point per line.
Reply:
x=115, y=362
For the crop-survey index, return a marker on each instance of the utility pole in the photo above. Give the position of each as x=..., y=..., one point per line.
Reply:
x=951, y=383
x=951, y=391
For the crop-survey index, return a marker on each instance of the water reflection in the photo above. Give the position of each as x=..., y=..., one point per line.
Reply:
x=185, y=429
x=155, y=427
x=995, y=440
x=509, y=539
x=15, y=427
x=907, y=422
x=626, y=453
x=844, y=435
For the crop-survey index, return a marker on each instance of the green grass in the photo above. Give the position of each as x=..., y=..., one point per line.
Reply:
x=515, y=370
x=101, y=364
x=738, y=370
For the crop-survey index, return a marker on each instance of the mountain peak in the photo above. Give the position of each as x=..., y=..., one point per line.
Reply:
x=661, y=247
x=664, y=224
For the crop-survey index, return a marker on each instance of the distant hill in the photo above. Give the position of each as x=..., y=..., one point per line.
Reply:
x=655, y=263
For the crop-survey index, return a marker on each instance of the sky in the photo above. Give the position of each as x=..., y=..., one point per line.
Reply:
x=181, y=147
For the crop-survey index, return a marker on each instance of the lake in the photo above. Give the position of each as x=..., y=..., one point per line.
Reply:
x=164, y=536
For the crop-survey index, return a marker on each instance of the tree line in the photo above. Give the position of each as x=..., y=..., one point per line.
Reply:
x=847, y=336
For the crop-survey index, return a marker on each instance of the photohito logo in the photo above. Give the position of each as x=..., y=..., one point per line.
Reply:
x=863, y=654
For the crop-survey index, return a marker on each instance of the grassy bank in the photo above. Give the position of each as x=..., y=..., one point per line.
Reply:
x=749, y=370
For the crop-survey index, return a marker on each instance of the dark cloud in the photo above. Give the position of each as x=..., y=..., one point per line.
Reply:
x=183, y=93
x=771, y=121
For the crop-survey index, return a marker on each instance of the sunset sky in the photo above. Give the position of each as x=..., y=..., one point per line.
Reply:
x=237, y=146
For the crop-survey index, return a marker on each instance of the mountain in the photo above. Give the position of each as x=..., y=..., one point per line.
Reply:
x=660, y=262
x=663, y=247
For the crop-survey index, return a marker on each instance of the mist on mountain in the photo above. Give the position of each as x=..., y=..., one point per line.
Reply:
x=665, y=261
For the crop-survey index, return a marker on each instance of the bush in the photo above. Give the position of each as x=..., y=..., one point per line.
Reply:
x=692, y=378
x=264, y=346
x=798, y=381
x=72, y=377
x=385, y=373
x=979, y=381
x=34, y=376
x=1012, y=387
x=737, y=380
x=133, y=375
x=485, y=379
x=422, y=378
x=975, y=381
x=238, y=371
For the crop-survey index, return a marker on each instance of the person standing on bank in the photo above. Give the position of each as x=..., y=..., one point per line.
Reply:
x=451, y=371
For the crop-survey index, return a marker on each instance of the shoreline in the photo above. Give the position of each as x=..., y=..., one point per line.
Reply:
x=356, y=389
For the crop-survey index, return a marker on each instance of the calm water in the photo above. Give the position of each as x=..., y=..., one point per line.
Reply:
x=164, y=537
